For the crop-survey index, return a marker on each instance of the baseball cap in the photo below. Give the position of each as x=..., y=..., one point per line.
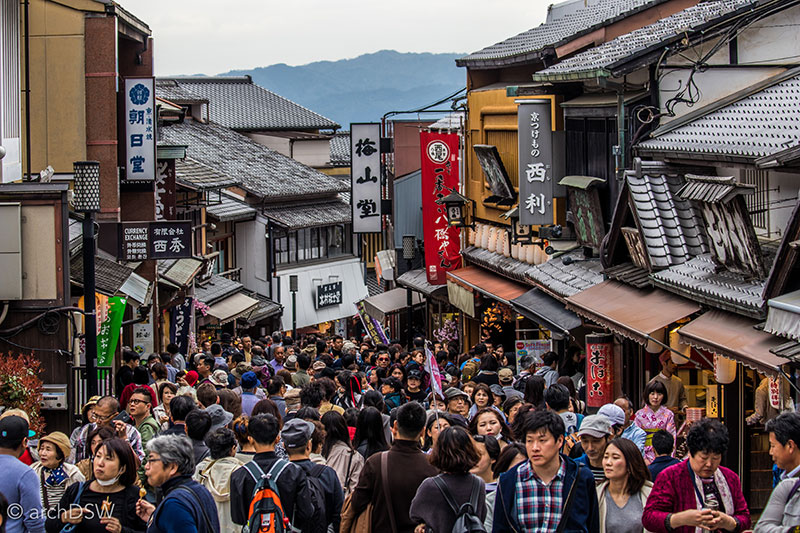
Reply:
x=497, y=390
x=13, y=429
x=614, y=413
x=505, y=375
x=597, y=426
x=296, y=432
x=415, y=374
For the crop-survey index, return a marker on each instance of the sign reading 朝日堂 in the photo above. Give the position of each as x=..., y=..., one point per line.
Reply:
x=154, y=240
x=365, y=170
x=140, y=129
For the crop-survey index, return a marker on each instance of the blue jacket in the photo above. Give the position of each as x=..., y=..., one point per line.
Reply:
x=182, y=512
x=584, y=515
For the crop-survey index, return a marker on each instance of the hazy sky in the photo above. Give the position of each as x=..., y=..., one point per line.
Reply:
x=209, y=37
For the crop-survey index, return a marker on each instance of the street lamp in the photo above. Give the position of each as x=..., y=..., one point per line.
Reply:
x=455, y=209
x=293, y=290
x=87, y=201
x=409, y=251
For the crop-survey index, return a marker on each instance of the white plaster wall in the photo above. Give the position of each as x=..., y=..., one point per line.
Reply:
x=279, y=144
x=774, y=40
x=251, y=254
x=313, y=152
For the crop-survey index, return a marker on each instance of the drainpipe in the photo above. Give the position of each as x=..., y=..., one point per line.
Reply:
x=27, y=91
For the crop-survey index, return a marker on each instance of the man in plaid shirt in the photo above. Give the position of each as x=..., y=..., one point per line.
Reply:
x=532, y=496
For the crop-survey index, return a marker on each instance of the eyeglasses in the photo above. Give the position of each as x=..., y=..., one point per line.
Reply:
x=136, y=401
x=95, y=416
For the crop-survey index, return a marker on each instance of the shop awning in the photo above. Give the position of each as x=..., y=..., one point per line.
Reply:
x=417, y=280
x=232, y=307
x=491, y=285
x=388, y=302
x=734, y=337
x=547, y=311
x=783, y=317
x=632, y=313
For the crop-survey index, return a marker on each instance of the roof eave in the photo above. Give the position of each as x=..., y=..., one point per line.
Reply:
x=679, y=155
x=582, y=75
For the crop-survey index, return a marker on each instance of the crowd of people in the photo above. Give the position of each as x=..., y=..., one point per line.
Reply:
x=329, y=435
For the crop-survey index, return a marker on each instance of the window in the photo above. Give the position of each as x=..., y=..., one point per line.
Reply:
x=758, y=202
x=309, y=244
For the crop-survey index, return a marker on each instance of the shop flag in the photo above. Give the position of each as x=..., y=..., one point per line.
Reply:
x=109, y=331
x=433, y=370
x=373, y=327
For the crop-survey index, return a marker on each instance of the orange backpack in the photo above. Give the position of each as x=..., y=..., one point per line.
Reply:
x=266, y=511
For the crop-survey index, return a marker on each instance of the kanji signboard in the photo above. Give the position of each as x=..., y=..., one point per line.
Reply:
x=439, y=178
x=599, y=370
x=365, y=169
x=329, y=294
x=154, y=240
x=140, y=129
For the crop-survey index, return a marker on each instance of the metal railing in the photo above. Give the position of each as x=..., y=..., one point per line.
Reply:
x=80, y=393
x=234, y=274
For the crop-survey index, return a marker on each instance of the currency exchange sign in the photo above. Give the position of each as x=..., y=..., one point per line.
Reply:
x=365, y=165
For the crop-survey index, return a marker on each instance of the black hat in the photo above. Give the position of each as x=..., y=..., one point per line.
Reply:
x=13, y=430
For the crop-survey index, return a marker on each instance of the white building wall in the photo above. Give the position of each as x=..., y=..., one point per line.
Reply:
x=313, y=152
x=279, y=144
x=251, y=254
x=10, y=105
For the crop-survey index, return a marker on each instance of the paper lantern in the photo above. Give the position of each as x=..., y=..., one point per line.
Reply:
x=724, y=369
x=655, y=347
x=599, y=369
x=529, y=251
x=678, y=346
x=471, y=236
x=506, y=244
x=485, y=237
x=478, y=234
x=492, y=240
x=515, y=251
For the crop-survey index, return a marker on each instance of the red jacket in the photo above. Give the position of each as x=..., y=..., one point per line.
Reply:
x=673, y=491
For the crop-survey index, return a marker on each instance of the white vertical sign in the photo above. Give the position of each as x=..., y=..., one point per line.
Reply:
x=140, y=129
x=365, y=169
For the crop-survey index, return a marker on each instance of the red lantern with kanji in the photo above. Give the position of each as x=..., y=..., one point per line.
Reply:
x=599, y=369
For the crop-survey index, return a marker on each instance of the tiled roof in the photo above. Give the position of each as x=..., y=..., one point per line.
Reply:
x=262, y=172
x=170, y=90
x=560, y=29
x=109, y=275
x=609, y=56
x=699, y=280
x=266, y=308
x=230, y=208
x=453, y=121
x=671, y=227
x=215, y=289
x=751, y=124
x=306, y=216
x=200, y=176
x=567, y=279
x=417, y=280
x=340, y=149
x=713, y=189
x=506, y=266
x=238, y=103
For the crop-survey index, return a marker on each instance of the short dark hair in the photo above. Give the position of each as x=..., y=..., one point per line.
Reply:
x=557, y=397
x=507, y=456
x=328, y=387
x=104, y=432
x=266, y=407
x=308, y=413
x=124, y=453
x=489, y=363
x=707, y=435
x=207, y=394
x=786, y=427
x=634, y=464
x=274, y=385
x=216, y=349
x=198, y=422
x=485, y=388
x=130, y=355
x=411, y=419
x=144, y=391
x=264, y=428
x=548, y=358
x=373, y=398
x=663, y=442
x=312, y=394
x=655, y=386
x=220, y=442
x=534, y=421
x=180, y=406
x=141, y=375
x=172, y=348
x=303, y=361
x=207, y=360
x=454, y=451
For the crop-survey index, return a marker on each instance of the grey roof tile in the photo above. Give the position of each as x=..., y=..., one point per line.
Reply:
x=215, y=289
x=238, y=103
x=170, y=90
x=200, y=176
x=556, y=30
x=262, y=172
x=507, y=266
x=607, y=55
x=566, y=280
x=340, y=149
x=230, y=208
x=309, y=215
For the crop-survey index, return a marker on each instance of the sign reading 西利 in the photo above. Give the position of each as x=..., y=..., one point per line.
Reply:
x=365, y=169
x=538, y=164
x=154, y=240
x=439, y=178
x=329, y=294
x=140, y=129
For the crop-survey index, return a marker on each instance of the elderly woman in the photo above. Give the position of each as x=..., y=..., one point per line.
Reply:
x=54, y=474
x=698, y=493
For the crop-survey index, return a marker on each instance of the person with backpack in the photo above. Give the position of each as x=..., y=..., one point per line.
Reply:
x=323, y=482
x=185, y=506
x=277, y=489
x=455, y=500
x=214, y=473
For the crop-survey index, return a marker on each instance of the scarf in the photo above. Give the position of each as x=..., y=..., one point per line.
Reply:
x=722, y=487
x=57, y=476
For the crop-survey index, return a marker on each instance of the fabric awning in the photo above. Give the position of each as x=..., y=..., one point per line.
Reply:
x=417, y=280
x=734, y=337
x=632, y=313
x=388, y=302
x=232, y=307
x=783, y=317
x=476, y=279
x=547, y=311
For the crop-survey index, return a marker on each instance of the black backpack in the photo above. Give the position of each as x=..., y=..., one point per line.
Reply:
x=322, y=516
x=467, y=520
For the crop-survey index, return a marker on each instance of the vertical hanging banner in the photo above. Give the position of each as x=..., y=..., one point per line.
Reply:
x=109, y=331
x=439, y=178
x=180, y=320
x=599, y=369
x=537, y=162
x=140, y=129
x=165, y=190
x=365, y=176
x=432, y=368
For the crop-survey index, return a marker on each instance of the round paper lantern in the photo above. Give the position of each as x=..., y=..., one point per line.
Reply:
x=655, y=347
x=506, y=244
x=724, y=369
x=471, y=236
x=677, y=346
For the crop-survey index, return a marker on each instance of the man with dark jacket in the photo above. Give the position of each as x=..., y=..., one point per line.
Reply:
x=263, y=435
x=533, y=495
x=663, y=445
x=407, y=468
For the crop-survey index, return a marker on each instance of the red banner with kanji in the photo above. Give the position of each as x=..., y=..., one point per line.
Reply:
x=439, y=178
x=599, y=370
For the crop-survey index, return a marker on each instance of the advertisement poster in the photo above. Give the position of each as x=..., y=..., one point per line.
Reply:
x=536, y=347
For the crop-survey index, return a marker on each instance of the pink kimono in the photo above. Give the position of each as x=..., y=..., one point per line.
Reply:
x=651, y=422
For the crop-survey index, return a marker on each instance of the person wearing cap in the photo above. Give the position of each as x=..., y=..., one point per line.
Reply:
x=413, y=390
x=297, y=439
x=19, y=483
x=457, y=404
x=595, y=433
x=631, y=431
x=506, y=378
x=392, y=390
x=303, y=363
x=249, y=385
x=317, y=367
x=616, y=416
x=219, y=378
x=676, y=392
x=55, y=475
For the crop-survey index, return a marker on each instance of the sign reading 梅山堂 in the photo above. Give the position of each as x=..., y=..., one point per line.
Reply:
x=536, y=162
x=154, y=240
x=140, y=129
x=329, y=294
x=365, y=164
